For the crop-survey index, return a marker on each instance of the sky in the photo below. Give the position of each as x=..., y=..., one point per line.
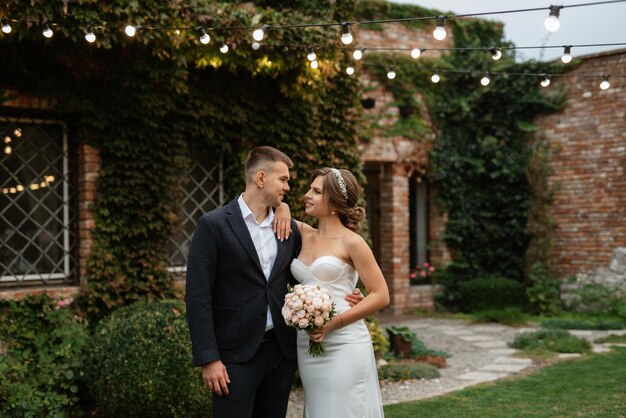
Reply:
x=605, y=23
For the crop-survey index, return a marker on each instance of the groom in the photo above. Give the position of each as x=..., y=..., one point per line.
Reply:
x=237, y=276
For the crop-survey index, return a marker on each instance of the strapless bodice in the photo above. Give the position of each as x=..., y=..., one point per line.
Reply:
x=329, y=272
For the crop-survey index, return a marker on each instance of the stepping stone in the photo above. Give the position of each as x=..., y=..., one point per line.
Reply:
x=513, y=360
x=580, y=332
x=490, y=344
x=420, y=326
x=617, y=331
x=479, y=376
x=600, y=348
x=445, y=328
x=458, y=332
x=476, y=338
x=503, y=351
x=488, y=328
x=569, y=355
x=520, y=330
x=507, y=368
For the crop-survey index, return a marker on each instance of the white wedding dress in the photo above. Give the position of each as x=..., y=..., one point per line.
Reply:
x=342, y=382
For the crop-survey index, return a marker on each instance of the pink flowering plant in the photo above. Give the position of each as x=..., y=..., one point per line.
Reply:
x=306, y=308
x=422, y=273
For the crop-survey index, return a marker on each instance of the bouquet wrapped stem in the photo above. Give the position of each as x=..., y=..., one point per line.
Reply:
x=306, y=308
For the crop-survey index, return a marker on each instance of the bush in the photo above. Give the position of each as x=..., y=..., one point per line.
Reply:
x=594, y=324
x=380, y=341
x=140, y=364
x=509, y=316
x=597, y=299
x=405, y=370
x=41, y=369
x=492, y=292
x=556, y=340
x=544, y=294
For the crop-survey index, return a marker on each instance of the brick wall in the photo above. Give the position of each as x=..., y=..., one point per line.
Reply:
x=589, y=169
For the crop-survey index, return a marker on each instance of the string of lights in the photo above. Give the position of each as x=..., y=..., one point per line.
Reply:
x=259, y=33
x=551, y=23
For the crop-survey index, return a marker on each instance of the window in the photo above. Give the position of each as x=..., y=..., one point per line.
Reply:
x=418, y=223
x=203, y=191
x=37, y=234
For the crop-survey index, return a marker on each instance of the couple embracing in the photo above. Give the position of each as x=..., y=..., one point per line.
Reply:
x=237, y=276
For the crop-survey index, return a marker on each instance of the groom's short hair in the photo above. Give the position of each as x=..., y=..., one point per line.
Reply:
x=258, y=159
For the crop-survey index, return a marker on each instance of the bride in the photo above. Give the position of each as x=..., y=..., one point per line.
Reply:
x=342, y=382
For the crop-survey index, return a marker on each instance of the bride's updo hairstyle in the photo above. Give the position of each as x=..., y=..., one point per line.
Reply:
x=342, y=190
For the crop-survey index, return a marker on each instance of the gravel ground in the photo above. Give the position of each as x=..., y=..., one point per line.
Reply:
x=457, y=337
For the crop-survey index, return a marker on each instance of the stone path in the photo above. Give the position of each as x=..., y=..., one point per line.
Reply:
x=480, y=353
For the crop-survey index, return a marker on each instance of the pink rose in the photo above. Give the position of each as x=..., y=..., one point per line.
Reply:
x=423, y=274
x=431, y=269
x=303, y=323
x=318, y=321
x=412, y=275
x=426, y=265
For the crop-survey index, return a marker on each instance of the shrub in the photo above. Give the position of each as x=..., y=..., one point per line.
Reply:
x=404, y=370
x=380, y=341
x=602, y=300
x=418, y=348
x=492, y=292
x=556, y=340
x=544, y=294
x=594, y=324
x=509, y=316
x=612, y=338
x=140, y=364
x=41, y=369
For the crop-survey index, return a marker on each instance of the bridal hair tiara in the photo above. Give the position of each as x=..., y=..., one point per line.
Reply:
x=342, y=183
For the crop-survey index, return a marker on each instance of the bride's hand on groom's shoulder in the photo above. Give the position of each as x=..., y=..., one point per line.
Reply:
x=282, y=221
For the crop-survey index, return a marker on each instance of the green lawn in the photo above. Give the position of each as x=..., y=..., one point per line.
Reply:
x=594, y=386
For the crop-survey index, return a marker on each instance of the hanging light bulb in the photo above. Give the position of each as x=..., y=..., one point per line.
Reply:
x=90, y=36
x=552, y=21
x=8, y=150
x=346, y=36
x=567, y=54
x=349, y=70
x=130, y=30
x=224, y=48
x=311, y=55
x=255, y=45
x=415, y=53
x=440, y=31
x=6, y=28
x=485, y=80
x=391, y=74
x=7, y=139
x=314, y=64
x=358, y=54
x=435, y=78
x=546, y=81
x=19, y=188
x=204, y=37
x=605, y=82
x=47, y=32
x=259, y=33
x=496, y=54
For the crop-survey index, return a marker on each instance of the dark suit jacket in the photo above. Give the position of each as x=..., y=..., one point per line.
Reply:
x=227, y=294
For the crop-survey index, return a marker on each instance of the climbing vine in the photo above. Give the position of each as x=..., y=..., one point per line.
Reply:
x=144, y=102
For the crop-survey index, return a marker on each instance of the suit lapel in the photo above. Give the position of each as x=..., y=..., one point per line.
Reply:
x=235, y=219
x=281, y=253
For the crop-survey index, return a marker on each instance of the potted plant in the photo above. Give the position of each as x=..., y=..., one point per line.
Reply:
x=401, y=341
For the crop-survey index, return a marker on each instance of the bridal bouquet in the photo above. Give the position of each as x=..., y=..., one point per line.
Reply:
x=306, y=308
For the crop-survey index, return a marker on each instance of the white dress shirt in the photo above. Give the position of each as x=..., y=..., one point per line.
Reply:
x=265, y=243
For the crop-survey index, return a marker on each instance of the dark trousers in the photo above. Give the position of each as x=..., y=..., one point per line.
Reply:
x=259, y=388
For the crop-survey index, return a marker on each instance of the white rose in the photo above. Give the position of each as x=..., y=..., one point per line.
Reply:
x=297, y=305
x=318, y=321
x=301, y=313
x=317, y=302
x=303, y=323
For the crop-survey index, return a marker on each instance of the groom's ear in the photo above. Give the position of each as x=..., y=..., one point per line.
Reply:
x=260, y=178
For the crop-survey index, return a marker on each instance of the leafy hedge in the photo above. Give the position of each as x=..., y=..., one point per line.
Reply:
x=42, y=364
x=140, y=364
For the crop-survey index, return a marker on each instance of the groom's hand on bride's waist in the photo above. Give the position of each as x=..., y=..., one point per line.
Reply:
x=355, y=297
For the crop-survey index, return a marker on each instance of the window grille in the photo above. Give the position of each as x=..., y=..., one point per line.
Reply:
x=202, y=188
x=37, y=217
